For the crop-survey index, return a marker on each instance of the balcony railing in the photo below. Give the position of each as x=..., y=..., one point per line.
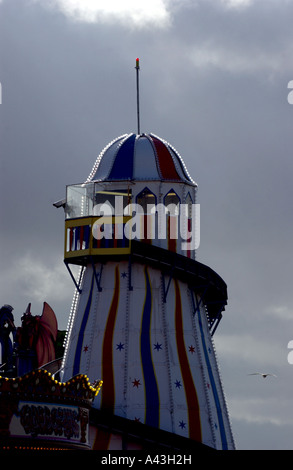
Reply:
x=86, y=237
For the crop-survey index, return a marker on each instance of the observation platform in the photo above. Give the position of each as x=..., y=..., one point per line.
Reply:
x=82, y=248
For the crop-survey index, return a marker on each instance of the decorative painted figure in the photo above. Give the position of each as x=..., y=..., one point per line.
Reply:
x=35, y=339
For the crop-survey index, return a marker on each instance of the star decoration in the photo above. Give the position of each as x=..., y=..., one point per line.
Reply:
x=86, y=348
x=137, y=419
x=191, y=349
x=136, y=383
x=178, y=384
x=182, y=424
x=124, y=275
x=120, y=346
x=157, y=346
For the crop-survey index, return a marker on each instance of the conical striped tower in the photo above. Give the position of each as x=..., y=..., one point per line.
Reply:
x=144, y=310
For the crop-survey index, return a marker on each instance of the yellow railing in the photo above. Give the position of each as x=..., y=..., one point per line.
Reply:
x=84, y=237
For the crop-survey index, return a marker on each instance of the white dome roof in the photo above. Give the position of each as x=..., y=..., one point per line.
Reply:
x=140, y=157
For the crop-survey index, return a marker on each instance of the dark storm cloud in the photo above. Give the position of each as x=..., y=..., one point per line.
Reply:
x=214, y=84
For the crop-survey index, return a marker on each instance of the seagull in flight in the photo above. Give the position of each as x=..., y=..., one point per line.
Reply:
x=262, y=374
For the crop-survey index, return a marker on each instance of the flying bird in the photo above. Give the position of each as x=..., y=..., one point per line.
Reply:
x=262, y=374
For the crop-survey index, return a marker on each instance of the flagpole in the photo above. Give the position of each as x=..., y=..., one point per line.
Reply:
x=137, y=94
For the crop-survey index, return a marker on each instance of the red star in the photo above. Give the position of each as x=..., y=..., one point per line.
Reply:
x=191, y=349
x=136, y=383
x=137, y=419
x=85, y=349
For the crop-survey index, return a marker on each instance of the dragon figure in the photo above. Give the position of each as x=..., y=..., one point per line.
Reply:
x=37, y=336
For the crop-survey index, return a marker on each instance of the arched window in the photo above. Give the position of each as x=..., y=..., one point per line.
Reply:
x=147, y=200
x=172, y=201
x=172, y=205
x=189, y=202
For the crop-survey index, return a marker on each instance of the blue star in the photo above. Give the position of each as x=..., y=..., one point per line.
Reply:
x=120, y=346
x=157, y=346
x=178, y=384
x=124, y=275
x=182, y=424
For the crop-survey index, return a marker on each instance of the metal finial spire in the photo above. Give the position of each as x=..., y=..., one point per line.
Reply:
x=137, y=94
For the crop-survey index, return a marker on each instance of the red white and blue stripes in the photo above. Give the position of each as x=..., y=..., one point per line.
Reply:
x=126, y=339
x=140, y=157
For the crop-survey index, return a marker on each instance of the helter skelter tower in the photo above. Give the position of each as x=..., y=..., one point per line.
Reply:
x=144, y=310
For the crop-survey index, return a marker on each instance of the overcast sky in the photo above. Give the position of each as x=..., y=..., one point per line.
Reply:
x=214, y=83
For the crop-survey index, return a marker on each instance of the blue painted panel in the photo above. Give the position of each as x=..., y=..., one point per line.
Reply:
x=145, y=166
x=122, y=168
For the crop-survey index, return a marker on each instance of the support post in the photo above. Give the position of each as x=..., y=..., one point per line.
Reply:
x=72, y=277
x=97, y=275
